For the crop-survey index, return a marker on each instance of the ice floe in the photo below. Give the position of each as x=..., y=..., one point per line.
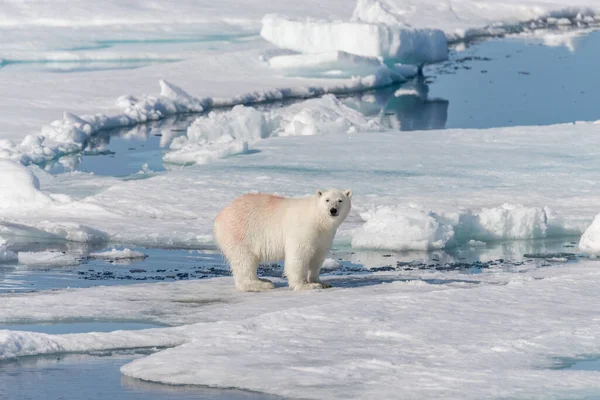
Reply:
x=398, y=42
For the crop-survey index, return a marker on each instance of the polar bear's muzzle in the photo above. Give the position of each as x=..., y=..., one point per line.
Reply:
x=333, y=212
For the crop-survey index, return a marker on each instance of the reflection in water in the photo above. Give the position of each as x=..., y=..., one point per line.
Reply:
x=469, y=258
x=125, y=151
x=138, y=150
x=406, y=107
x=172, y=265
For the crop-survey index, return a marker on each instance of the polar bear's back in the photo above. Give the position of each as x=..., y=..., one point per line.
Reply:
x=256, y=223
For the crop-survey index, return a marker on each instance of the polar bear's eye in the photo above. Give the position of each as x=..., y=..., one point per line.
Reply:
x=327, y=200
x=340, y=200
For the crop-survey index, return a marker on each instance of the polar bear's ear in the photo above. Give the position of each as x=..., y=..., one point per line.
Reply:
x=348, y=193
x=319, y=193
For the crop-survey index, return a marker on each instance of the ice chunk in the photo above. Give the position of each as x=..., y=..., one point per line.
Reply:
x=221, y=134
x=330, y=264
x=590, y=240
x=402, y=228
x=56, y=258
x=114, y=254
x=411, y=228
x=218, y=135
x=507, y=222
x=407, y=45
x=322, y=116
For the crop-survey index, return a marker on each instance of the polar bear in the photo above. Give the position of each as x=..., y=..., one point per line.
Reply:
x=257, y=228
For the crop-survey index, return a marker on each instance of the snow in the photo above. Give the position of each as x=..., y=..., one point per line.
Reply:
x=114, y=254
x=46, y=258
x=590, y=240
x=519, y=327
x=407, y=45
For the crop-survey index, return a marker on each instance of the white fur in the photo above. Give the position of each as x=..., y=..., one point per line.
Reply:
x=257, y=228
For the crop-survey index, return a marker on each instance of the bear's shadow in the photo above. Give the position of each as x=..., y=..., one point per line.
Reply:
x=366, y=280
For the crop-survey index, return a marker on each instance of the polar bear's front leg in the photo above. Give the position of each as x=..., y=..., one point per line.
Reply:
x=314, y=269
x=295, y=268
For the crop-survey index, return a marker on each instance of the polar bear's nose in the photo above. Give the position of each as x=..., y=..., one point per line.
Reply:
x=333, y=211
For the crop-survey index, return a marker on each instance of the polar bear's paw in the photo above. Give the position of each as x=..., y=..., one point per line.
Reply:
x=255, y=285
x=310, y=286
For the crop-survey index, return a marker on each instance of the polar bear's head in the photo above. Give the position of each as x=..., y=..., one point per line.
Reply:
x=334, y=204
